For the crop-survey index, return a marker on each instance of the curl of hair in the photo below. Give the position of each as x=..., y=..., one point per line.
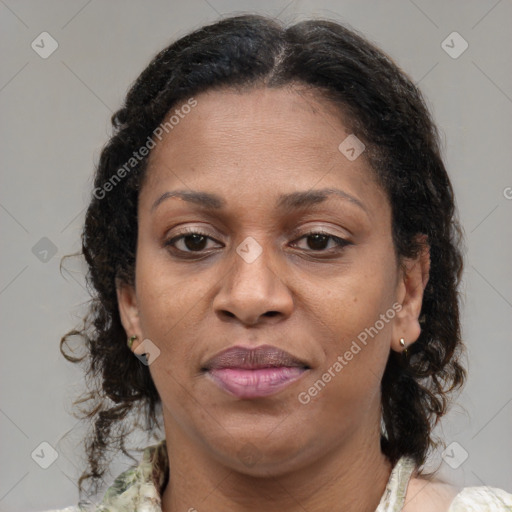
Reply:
x=383, y=108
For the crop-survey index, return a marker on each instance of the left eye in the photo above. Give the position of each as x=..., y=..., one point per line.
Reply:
x=318, y=239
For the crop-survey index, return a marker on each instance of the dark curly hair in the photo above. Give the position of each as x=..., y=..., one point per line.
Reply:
x=382, y=107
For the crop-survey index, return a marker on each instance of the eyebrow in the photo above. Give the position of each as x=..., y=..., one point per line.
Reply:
x=286, y=202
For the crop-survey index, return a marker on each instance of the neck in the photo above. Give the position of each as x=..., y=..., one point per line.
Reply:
x=352, y=476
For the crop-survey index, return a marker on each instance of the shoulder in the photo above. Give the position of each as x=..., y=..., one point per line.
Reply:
x=67, y=509
x=429, y=495
x=482, y=499
x=425, y=495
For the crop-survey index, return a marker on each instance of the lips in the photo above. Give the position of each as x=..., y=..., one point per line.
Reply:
x=264, y=356
x=254, y=372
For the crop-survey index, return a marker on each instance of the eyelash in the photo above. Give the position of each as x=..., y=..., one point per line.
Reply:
x=341, y=243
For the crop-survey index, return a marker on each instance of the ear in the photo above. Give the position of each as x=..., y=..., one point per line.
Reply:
x=129, y=311
x=413, y=279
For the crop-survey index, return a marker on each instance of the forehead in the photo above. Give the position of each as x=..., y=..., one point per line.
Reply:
x=258, y=140
x=283, y=116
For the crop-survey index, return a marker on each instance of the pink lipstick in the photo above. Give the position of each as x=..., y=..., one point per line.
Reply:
x=254, y=372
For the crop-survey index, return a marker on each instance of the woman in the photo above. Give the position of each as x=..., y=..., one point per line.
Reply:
x=275, y=258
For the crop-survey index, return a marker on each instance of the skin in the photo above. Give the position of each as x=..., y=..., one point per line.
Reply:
x=310, y=300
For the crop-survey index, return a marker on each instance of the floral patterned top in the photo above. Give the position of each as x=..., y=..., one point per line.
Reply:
x=139, y=489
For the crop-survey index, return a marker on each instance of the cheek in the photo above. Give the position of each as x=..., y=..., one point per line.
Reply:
x=169, y=310
x=356, y=300
x=165, y=295
x=359, y=316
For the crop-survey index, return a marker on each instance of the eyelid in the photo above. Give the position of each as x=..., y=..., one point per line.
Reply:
x=297, y=232
x=190, y=231
x=193, y=230
x=313, y=228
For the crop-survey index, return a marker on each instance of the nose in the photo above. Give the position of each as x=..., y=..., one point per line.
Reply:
x=253, y=291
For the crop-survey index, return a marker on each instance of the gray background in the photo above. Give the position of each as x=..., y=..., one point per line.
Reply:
x=55, y=119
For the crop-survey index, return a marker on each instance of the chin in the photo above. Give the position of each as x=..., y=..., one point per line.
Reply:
x=263, y=453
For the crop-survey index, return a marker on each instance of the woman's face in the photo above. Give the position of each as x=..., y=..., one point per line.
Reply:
x=335, y=303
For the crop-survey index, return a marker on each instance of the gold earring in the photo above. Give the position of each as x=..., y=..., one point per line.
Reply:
x=131, y=339
x=402, y=344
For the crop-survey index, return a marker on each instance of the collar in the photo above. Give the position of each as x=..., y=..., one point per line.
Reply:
x=140, y=488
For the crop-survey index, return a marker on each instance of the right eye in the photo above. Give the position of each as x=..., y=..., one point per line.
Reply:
x=192, y=241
